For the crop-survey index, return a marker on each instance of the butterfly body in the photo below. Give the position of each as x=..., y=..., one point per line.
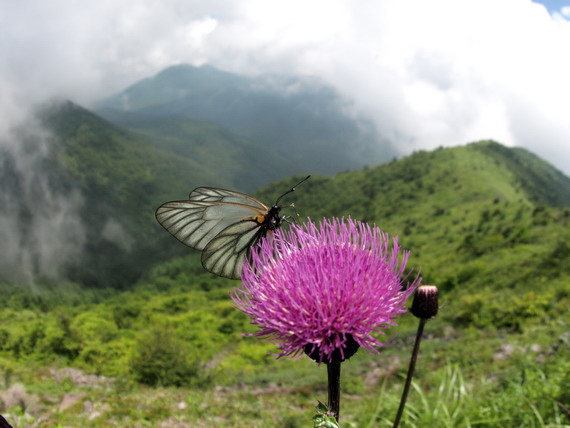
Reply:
x=223, y=224
x=272, y=220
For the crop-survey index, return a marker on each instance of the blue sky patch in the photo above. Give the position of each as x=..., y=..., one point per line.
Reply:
x=554, y=5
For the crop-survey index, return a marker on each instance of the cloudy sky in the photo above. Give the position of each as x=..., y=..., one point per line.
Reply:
x=430, y=73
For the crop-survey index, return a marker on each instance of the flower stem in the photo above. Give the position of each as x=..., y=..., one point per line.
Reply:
x=410, y=372
x=333, y=372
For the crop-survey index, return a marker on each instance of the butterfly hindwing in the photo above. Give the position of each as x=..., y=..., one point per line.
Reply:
x=226, y=253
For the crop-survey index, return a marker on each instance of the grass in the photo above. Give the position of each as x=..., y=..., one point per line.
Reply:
x=470, y=378
x=172, y=351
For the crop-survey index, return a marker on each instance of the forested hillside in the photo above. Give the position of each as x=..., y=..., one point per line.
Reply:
x=489, y=225
x=107, y=182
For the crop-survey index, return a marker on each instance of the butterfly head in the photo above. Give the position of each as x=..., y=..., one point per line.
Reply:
x=272, y=218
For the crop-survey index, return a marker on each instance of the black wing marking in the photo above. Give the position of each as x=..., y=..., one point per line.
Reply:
x=226, y=253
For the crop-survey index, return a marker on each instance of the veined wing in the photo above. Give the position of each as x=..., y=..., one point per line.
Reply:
x=211, y=194
x=196, y=223
x=225, y=254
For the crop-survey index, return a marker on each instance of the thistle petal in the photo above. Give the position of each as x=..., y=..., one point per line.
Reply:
x=314, y=285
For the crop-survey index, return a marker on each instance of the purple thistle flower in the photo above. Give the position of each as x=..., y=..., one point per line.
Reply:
x=320, y=288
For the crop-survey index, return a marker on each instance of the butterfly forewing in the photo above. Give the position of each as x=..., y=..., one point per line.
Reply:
x=197, y=223
x=211, y=194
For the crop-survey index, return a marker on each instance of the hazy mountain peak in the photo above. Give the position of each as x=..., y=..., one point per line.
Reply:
x=297, y=117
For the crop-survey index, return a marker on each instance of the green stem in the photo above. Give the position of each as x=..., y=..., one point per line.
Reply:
x=333, y=372
x=410, y=372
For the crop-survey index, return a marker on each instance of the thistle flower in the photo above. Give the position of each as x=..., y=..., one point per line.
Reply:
x=321, y=287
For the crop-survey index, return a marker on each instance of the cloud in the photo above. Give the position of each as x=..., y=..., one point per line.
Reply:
x=430, y=73
x=434, y=73
x=443, y=72
x=40, y=228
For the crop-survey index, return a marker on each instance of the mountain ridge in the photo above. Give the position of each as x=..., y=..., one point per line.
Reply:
x=544, y=183
x=461, y=203
x=122, y=178
x=299, y=118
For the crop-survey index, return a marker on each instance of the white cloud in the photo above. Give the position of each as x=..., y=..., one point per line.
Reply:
x=433, y=73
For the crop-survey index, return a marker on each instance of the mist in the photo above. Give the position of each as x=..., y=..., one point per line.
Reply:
x=428, y=74
x=41, y=233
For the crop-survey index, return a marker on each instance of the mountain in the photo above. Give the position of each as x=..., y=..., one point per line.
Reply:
x=79, y=198
x=85, y=209
x=225, y=159
x=120, y=177
x=306, y=123
x=446, y=177
x=482, y=215
x=487, y=224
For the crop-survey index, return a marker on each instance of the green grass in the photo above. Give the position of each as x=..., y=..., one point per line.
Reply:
x=172, y=347
x=468, y=375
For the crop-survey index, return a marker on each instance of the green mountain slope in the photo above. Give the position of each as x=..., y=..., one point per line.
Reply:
x=238, y=162
x=481, y=215
x=303, y=121
x=123, y=176
x=122, y=180
x=432, y=182
x=542, y=183
x=497, y=354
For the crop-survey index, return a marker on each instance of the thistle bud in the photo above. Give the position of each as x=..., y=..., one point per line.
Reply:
x=425, y=304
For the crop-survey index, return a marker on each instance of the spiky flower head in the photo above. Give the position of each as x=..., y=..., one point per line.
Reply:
x=321, y=287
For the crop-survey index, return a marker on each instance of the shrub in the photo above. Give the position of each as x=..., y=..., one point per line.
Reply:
x=161, y=358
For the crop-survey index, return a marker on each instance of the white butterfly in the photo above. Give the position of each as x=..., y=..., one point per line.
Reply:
x=223, y=224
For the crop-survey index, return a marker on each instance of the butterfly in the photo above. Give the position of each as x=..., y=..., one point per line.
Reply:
x=223, y=224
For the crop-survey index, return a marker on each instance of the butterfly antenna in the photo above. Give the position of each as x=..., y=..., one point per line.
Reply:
x=297, y=215
x=290, y=219
x=292, y=189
